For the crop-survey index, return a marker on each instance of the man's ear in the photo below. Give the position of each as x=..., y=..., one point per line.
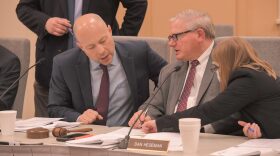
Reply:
x=201, y=34
x=109, y=29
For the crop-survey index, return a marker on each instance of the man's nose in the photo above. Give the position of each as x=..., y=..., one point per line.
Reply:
x=171, y=43
x=100, y=49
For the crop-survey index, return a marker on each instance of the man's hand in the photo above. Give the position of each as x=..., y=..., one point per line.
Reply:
x=252, y=131
x=89, y=116
x=57, y=26
x=149, y=127
x=143, y=118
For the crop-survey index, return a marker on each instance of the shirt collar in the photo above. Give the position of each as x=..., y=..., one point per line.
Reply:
x=205, y=55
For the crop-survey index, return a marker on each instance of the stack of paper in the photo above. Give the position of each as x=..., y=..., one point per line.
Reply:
x=113, y=138
x=107, y=140
x=267, y=147
x=49, y=123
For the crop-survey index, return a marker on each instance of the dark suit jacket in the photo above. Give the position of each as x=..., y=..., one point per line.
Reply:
x=35, y=13
x=9, y=72
x=70, y=88
x=254, y=94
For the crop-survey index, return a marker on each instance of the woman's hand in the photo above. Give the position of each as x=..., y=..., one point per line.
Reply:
x=252, y=131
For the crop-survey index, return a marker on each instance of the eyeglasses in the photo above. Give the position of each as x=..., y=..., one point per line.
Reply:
x=174, y=37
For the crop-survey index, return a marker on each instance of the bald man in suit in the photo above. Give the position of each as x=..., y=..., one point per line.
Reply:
x=77, y=92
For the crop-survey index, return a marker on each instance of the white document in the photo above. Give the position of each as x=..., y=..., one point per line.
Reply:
x=102, y=139
x=113, y=138
x=49, y=123
x=107, y=140
x=125, y=130
x=262, y=143
x=242, y=151
x=262, y=146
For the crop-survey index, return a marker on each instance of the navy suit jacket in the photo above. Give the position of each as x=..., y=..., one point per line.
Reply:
x=9, y=72
x=70, y=88
x=254, y=94
x=35, y=13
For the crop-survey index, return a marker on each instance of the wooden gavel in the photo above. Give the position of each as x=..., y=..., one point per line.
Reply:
x=59, y=131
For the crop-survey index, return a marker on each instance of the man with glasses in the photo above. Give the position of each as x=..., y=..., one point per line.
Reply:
x=192, y=38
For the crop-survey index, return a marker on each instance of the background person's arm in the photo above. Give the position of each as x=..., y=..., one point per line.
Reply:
x=134, y=16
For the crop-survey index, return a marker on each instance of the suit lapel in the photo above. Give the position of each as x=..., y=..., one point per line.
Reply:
x=177, y=86
x=129, y=68
x=207, y=78
x=85, y=6
x=83, y=73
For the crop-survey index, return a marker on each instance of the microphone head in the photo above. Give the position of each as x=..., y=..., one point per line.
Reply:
x=177, y=68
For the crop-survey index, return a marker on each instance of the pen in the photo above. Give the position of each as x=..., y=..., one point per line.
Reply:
x=71, y=31
x=250, y=129
x=145, y=114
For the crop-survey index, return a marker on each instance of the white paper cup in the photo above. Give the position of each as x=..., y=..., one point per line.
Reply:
x=7, y=122
x=189, y=131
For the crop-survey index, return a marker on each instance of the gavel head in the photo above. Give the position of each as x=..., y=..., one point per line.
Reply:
x=59, y=131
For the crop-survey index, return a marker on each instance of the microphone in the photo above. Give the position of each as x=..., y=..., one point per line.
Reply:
x=16, y=81
x=124, y=143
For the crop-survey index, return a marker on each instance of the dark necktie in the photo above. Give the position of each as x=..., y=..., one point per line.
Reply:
x=71, y=13
x=187, y=88
x=102, y=102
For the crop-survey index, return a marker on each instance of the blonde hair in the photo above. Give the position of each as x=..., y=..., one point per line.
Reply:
x=196, y=19
x=234, y=53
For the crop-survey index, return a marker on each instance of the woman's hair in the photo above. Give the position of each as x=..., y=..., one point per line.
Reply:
x=234, y=53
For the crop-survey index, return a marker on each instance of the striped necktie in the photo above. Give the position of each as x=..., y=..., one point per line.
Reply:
x=187, y=88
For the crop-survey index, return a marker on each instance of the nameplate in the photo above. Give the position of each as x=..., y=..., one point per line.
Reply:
x=148, y=145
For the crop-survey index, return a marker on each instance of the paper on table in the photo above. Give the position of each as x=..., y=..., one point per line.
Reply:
x=102, y=139
x=264, y=146
x=91, y=146
x=36, y=121
x=62, y=124
x=242, y=151
x=263, y=143
x=105, y=140
x=117, y=135
x=124, y=131
x=49, y=123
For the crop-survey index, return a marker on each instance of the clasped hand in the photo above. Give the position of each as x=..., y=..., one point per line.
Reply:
x=89, y=116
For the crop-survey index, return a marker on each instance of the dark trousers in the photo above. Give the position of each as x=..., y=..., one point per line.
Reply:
x=41, y=100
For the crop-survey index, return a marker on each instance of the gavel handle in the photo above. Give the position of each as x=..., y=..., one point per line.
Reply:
x=80, y=130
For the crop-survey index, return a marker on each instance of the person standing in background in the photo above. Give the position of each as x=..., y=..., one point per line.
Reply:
x=52, y=21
